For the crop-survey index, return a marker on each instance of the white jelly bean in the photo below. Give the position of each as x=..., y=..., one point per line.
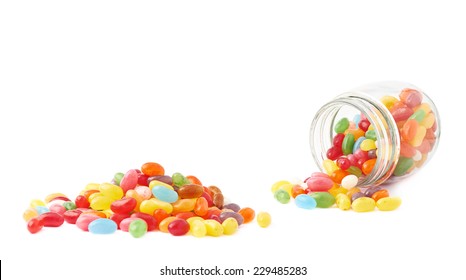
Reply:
x=349, y=181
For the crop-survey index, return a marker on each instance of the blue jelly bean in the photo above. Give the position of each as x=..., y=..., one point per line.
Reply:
x=356, y=120
x=305, y=201
x=357, y=144
x=42, y=209
x=102, y=226
x=165, y=194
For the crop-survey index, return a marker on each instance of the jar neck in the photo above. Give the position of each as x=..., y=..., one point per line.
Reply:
x=388, y=138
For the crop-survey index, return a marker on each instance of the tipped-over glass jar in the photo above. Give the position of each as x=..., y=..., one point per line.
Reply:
x=380, y=132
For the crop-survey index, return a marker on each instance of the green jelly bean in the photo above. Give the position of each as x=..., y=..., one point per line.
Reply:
x=348, y=143
x=323, y=199
x=404, y=164
x=370, y=134
x=419, y=115
x=282, y=196
x=342, y=125
x=69, y=205
x=355, y=171
x=137, y=228
x=179, y=180
x=117, y=178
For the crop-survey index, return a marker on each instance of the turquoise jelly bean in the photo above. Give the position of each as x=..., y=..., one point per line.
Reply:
x=357, y=144
x=102, y=226
x=348, y=143
x=342, y=125
x=356, y=120
x=42, y=209
x=164, y=194
x=305, y=201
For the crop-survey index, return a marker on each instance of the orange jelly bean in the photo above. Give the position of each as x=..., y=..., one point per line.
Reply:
x=380, y=194
x=368, y=165
x=338, y=175
x=248, y=214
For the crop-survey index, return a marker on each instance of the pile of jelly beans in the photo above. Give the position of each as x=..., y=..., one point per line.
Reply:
x=145, y=200
x=353, y=155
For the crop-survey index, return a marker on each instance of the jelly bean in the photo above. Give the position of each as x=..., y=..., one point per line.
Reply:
x=264, y=219
x=368, y=166
x=238, y=217
x=278, y=184
x=233, y=206
x=214, y=190
x=341, y=125
x=81, y=202
x=323, y=199
x=213, y=228
x=112, y=191
x=358, y=143
x=35, y=225
x=185, y=215
x=149, y=219
x=364, y=125
x=356, y=196
x=212, y=211
x=194, y=180
x=57, y=208
x=117, y=218
x=389, y=101
x=371, y=134
x=230, y=226
x=401, y=114
x=201, y=206
x=29, y=214
x=321, y=183
x=36, y=202
x=218, y=200
x=102, y=226
x=124, y=205
x=190, y=191
x=417, y=156
x=152, y=169
x=342, y=201
x=343, y=162
x=184, y=205
x=380, y=194
x=305, y=201
x=335, y=190
x=149, y=206
x=178, y=227
x=367, y=145
x=52, y=196
x=355, y=171
x=348, y=143
x=420, y=134
x=117, y=178
x=360, y=154
x=282, y=196
x=87, y=194
x=353, y=160
x=410, y=97
x=51, y=219
x=370, y=191
x=144, y=192
x=330, y=166
x=288, y=188
x=179, y=180
x=101, y=202
x=388, y=203
x=338, y=175
x=137, y=228
x=363, y=204
x=41, y=209
x=372, y=153
x=163, y=179
x=403, y=165
x=92, y=186
x=129, y=181
x=125, y=223
x=69, y=205
x=248, y=214
x=192, y=219
x=215, y=218
x=406, y=150
x=94, y=195
x=198, y=228
x=352, y=191
x=334, y=152
x=418, y=116
x=349, y=181
x=357, y=119
x=357, y=133
x=164, y=194
x=428, y=121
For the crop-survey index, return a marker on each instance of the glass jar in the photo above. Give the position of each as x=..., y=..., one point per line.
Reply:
x=399, y=121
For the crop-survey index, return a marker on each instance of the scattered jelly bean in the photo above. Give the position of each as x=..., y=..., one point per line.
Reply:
x=341, y=125
x=230, y=226
x=101, y=202
x=69, y=205
x=124, y=205
x=29, y=214
x=380, y=194
x=149, y=219
x=129, y=181
x=36, y=202
x=152, y=169
x=335, y=190
x=164, y=194
x=117, y=178
x=184, y=205
x=278, y=184
x=214, y=228
x=71, y=216
x=370, y=191
x=297, y=190
x=388, y=203
x=233, y=206
x=35, y=225
x=349, y=181
x=264, y=219
x=164, y=179
x=51, y=219
x=52, y=196
x=84, y=220
x=102, y=226
x=323, y=199
x=238, y=217
x=321, y=182
x=137, y=228
x=356, y=196
x=81, y=202
x=57, y=208
x=247, y=213
x=124, y=223
x=343, y=202
x=198, y=228
x=178, y=227
x=218, y=200
x=330, y=166
x=282, y=196
x=190, y=191
x=363, y=204
x=42, y=209
x=201, y=206
x=163, y=225
x=305, y=201
x=352, y=191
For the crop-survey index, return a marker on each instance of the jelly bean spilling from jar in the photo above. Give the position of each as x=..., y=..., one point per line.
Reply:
x=144, y=200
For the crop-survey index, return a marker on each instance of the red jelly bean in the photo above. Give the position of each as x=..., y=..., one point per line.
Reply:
x=338, y=139
x=71, y=216
x=185, y=215
x=149, y=219
x=360, y=154
x=51, y=219
x=142, y=180
x=117, y=218
x=353, y=159
x=343, y=162
x=402, y=114
x=410, y=97
x=35, y=225
x=364, y=125
x=333, y=153
x=82, y=202
x=124, y=205
x=178, y=227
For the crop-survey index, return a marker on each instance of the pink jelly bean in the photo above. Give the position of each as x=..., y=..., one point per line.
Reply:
x=84, y=220
x=124, y=224
x=117, y=218
x=402, y=114
x=57, y=208
x=319, y=184
x=144, y=192
x=129, y=181
x=318, y=174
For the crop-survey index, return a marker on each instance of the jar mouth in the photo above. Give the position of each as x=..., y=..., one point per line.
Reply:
x=388, y=138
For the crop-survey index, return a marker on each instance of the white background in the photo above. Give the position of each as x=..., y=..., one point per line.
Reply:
x=225, y=90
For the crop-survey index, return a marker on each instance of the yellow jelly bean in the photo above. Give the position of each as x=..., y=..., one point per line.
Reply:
x=428, y=121
x=101, y=202
x=263, y=219
x=154, y=183
x=92, y=186
x=198, y=228
x=343, y=201
x=420, y=134
x=110, y=190
x=36, y=202
x=184, y=205
x=230, y=226
x=388, y=203
x=388, y=101
x=94, y=195
x=163, y=225
x=192, y=219
x=213, y=227
x=287, y=188
x=29, y=214
x=424, y=106
x=107, y=212
x=363, y=204
x=148, y=206
x=160, y=205
x=330, y=166
x=278, y=184
x=368, y=145
x=51, y=196
x=336, y=189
